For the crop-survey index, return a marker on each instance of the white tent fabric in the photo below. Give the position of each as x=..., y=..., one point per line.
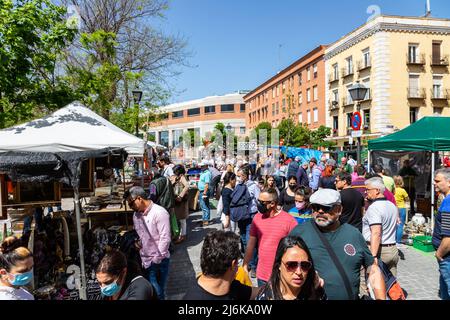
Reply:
x=72, y=128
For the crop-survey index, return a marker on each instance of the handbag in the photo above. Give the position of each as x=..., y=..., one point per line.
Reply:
x=174, y=225
x=336, y=262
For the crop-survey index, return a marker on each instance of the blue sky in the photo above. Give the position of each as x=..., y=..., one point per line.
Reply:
x=236, y=43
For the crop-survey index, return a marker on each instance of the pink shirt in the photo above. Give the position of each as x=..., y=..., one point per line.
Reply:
x=269, y=232
x=153, y=228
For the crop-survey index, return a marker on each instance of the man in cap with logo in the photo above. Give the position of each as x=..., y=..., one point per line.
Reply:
x=338, y=250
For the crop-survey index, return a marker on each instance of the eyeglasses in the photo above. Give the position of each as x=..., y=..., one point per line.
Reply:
x=368, y=189
x=131, y=203
x=292, y=266
x=317, y=207
x=264, y=203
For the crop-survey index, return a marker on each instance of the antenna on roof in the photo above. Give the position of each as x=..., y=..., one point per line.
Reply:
x=428, y=9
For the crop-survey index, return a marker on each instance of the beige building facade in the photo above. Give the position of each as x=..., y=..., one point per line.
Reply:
x=404, y=61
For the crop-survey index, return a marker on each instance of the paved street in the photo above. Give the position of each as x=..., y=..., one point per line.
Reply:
x=418, y=272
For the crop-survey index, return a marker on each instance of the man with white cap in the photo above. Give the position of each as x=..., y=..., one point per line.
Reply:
x=203, y=186
x=338, y=250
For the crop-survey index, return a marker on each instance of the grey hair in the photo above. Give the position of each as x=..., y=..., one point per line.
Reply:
x=137, y=191
x=377, y=183
x=444, y=172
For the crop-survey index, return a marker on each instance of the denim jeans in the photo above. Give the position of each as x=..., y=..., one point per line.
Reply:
x=244, y=231
x=402, y=213
x=38, y=213
x=157, y=274
x=204, y=205
x=444, y=279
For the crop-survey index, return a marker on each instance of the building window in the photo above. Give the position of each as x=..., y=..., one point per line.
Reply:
x=193, y=112
x=349, y=65
x=300, y=118
x=336, y=95
x=278, y=90
x=210, y=109
x=164, y=138
x=300, y=78
x=273, y=109
x=308, y=115
x=367, y=118
x=300, y=98
x=177, y=114
x=335, y=123
x=308, y=95
x=436, y=53
x=227, y=108
x=283, y=106
x=437, y=87
x=177, y=137
x=366, y=83
x=284, y=87
x=366, y=58
x=277, y=108
x=349, y=120
x=273, y=93
x=242, y=107
x=308, y=74
x=315, y=70
x=413, y=85
x=413, y=52
x=315, y=115
x=242, y=130
x=349, y=96
x=315, y=93
x=335, y=71
x=413, y=114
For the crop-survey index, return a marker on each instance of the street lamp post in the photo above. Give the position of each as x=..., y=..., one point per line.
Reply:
x=137, y=96
x=358, y=93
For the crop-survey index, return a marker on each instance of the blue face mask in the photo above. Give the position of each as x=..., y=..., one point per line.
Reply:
x=111, y=289
x=22, y=279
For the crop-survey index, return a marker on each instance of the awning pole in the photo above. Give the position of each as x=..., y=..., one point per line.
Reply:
x=368, y=161
x=433, y=154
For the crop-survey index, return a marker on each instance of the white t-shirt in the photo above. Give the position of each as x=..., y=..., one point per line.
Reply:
x=384, y=213
x=10, y=293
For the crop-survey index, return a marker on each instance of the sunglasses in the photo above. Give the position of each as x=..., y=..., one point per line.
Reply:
x=318, y=207
x=292, y=266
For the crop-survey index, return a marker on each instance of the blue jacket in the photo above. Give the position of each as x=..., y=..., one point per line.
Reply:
x=314, y=178
x=254, y=195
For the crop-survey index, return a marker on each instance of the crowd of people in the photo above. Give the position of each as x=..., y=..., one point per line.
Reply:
x=306, y=231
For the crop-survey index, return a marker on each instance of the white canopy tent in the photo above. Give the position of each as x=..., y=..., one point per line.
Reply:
x=73, y=131
x=70, y=129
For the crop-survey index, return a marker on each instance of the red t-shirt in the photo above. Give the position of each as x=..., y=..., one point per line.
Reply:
x=269, y=232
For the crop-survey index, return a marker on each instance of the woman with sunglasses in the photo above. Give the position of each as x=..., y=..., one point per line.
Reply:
x=120, y=279
x=16, y=270
x=293, y=275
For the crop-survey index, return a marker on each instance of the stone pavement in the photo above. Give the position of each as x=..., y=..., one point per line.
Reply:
x=418, y=273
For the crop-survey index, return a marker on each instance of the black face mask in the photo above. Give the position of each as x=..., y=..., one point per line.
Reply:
x=292, y=187
x=262, y=208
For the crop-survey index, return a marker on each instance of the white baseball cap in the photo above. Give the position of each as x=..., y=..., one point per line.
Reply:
x=325, y=197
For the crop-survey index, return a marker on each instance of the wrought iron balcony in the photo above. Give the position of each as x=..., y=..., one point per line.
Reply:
x=347, y=73
x=333, y=105
x=416, y=93
x=440, y=95
x=332, y=78
x=418, y=60
x=439, y=62
x=346, y=102
x=362, y=66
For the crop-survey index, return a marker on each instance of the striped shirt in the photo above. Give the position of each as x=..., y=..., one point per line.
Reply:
x=269, y=232
x=442, y=224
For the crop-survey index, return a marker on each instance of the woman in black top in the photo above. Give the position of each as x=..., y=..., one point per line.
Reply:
x=287, y=196
x=293, y=275
x=229, y=182
x=120, y=279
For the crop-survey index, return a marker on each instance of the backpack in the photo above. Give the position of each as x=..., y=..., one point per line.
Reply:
x=393, y=289
x=166, y=198
x=239, y=206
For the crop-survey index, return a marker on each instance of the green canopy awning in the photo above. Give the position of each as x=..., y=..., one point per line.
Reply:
x=427, y=134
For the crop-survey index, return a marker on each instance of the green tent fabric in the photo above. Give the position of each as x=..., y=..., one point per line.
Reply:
x=427, y=134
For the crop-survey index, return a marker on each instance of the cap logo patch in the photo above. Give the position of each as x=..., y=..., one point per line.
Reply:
x=350, y=249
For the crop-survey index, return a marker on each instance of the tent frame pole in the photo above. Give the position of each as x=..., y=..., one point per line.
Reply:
x=76, y=193
x=433, y=156
x=368, y=160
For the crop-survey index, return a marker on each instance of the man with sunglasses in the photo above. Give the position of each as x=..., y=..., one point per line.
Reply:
x=268, y=227
x=338, y=250
x=152, y=224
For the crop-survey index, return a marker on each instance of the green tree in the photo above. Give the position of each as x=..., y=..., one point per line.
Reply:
x=33, y=36
x=317, y=138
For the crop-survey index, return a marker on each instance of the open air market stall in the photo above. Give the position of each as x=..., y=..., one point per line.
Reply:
x=53, y=149
x=429, y=134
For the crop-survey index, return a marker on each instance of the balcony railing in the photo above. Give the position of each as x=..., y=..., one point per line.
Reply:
x=347, y=102
x=333, y=105
x=349, y=131
x=418, y=60
x=332, y=78
x=347, y=73
x=440, y=95
x=416, y=93
x=439, y=62
x=335, y=132
x=361, y=65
